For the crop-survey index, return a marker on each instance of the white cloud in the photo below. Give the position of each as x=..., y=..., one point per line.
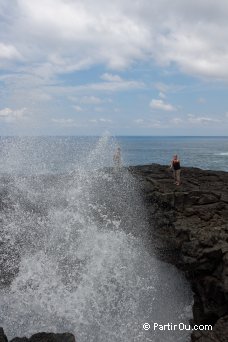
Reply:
x=113, y=86
x=201, y=119
x=66, y=122
x=148, y=123
x=99, y=109
x=162, y=87
x=167, y=88
x=12, y=115
x=156, y=124
x=100, y=120
x=41, y=40
x=81, y=33
x=63, y=121
x=72, y=35
x=124, y=85
x=78, y=108
x=201, y=100
x=111, y=78
x=73, y=123
x=6, y=112
x=162, y=95
x=176, y=121
x=161, y=105
x=139, y=121
x=8, y=51
x=105, y=120
x=91, y=100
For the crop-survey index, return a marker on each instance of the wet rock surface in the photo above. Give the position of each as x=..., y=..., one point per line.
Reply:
x=190, y=230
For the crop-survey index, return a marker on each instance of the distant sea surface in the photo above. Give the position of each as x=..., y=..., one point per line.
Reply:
x=62, y=154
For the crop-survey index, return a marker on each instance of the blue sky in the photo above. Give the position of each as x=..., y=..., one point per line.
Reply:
x=71, y=67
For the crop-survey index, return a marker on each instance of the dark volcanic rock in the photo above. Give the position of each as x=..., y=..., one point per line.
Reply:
x=218, y=334
x=190, y=229
x=3, y=337
x=40, y=337
x=46, y=337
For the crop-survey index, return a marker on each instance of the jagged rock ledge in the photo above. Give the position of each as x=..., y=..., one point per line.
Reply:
x=190, y=229
x=40, y=337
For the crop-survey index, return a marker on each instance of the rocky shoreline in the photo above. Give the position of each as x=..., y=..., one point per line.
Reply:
x=190, y=230
x=40, y=337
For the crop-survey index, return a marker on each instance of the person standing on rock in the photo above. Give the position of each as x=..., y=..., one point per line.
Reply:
x=117, y=158
x=175, y=166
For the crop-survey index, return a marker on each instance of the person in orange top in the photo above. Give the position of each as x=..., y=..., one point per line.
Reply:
x=175, y=166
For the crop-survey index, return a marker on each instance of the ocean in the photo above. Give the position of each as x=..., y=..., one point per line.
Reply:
x=62, y=154
x=74, y=254
x=203, y=152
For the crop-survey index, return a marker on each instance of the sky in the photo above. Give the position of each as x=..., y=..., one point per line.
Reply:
x=126, y=67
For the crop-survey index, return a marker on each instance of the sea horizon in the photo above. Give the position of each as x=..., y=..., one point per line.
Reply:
x=44, y=154
x=132, y=135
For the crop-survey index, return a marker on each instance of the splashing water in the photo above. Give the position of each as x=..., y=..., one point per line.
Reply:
x=73, y=257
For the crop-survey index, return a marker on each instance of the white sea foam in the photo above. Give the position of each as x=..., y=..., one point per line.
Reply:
x=223, y=154
x=82, y=264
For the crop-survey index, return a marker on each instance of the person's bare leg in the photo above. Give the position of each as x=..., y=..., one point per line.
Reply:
x=178, y=177
x=175, y=176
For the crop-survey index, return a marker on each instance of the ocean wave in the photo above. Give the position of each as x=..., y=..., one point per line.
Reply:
x=222, y=154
